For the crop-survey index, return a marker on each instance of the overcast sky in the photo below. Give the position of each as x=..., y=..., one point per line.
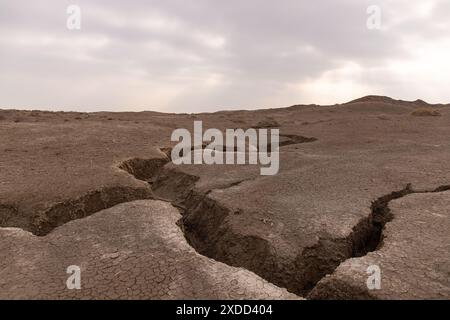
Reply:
x=207, y=55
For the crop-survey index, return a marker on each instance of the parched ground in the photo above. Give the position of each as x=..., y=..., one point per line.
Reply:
x=360, y=184
x=414, y=259
x=130, y=251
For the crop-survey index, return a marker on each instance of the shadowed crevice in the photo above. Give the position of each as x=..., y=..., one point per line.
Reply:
x=206, y=227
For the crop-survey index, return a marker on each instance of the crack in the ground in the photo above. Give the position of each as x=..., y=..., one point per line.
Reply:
x=42, y=223
x=205, y=225
x=366, y=236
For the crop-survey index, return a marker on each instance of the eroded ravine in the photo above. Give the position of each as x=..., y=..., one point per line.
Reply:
x=204, y=224
x=41, y=223
x=44, y=222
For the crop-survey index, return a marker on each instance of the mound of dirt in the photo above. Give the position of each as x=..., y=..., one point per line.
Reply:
x=267, y=123
x=426, y=112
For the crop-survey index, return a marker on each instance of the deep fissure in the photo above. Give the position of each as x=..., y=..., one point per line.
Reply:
x=204, y=224
x=205, y=227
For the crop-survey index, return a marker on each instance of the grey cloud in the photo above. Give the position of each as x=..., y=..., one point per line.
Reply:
x=182, y=64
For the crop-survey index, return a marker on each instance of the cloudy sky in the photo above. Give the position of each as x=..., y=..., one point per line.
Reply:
x=206, y=55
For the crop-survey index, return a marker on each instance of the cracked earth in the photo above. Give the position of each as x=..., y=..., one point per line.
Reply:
x=360, y=184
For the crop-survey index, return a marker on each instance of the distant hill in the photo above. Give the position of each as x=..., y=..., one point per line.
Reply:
x=384, y=99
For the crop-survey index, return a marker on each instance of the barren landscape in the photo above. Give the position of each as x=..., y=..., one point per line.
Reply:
x=362, y=183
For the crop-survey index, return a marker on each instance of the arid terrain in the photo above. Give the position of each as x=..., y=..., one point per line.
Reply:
x=360, y=184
